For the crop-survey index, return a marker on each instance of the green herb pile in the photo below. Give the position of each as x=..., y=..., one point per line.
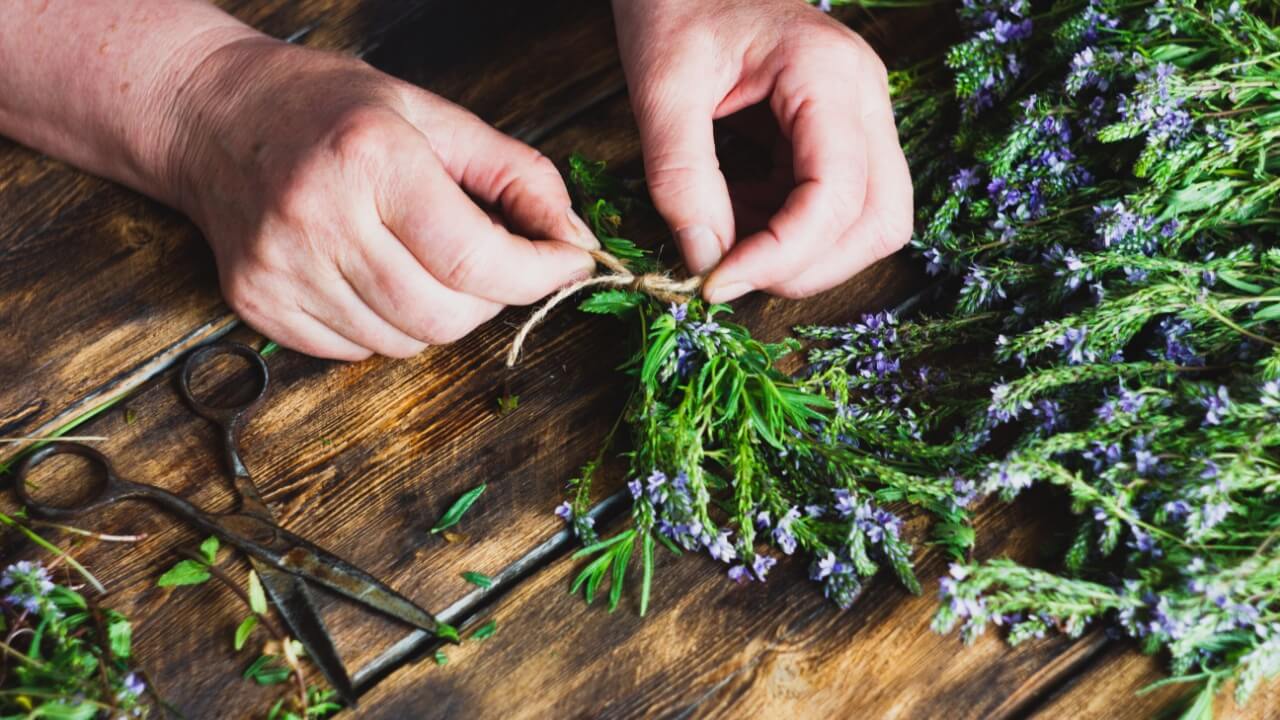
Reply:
x=63, y=657
x=1097, y=188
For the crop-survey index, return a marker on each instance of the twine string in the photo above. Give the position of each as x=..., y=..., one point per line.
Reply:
x=656, y=285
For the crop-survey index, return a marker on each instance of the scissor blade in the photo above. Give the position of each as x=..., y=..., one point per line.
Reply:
x=282, y=549
x=352, y=582
x=292, y=599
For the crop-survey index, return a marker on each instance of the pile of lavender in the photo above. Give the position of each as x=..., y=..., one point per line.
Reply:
x=1097, y=183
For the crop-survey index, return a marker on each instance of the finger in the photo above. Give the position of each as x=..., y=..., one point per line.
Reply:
x=675, y=121
x=829, y=162
x=302, y=333
x=391, y=281
x=504, y=172
x=884, y=226
x=331, y=300
x=457, y=243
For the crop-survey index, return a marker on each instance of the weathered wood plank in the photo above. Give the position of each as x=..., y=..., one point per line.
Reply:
x=710, y=648
x=1112, y=687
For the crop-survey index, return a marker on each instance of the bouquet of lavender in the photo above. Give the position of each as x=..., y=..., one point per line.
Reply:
x=1097, y=183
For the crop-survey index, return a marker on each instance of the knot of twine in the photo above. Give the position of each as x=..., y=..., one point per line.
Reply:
x=656, y=285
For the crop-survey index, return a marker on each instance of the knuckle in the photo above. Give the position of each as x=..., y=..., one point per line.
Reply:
x=460, y=268
x=444, y=328
x=360, y=134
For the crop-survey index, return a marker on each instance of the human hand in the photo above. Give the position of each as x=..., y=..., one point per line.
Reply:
x=848, y=201
x=351, y=213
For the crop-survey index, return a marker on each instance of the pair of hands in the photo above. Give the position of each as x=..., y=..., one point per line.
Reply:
x=351, y=213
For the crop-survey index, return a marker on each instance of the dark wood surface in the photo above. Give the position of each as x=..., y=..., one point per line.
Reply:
x=364, y=457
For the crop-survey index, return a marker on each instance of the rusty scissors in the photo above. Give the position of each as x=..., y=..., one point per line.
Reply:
x=285, y=562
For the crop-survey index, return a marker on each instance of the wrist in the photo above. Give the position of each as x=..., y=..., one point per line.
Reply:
x=178, y=109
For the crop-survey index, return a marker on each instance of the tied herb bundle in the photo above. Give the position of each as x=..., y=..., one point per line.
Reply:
x=1097, y=185
x=731, y=456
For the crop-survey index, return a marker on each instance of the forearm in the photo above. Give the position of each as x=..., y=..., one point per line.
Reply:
x=100, y=83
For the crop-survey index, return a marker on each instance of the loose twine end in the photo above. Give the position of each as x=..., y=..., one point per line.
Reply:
x=657, y=285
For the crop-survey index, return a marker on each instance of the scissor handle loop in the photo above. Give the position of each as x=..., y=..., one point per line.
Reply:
x=111, y=489
x=229, y=417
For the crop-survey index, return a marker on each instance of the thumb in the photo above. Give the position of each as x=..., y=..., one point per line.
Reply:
x=688, y=189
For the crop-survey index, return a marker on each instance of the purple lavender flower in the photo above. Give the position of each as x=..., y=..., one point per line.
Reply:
x=964, y=179
x=782, y=534
x=762, y=519
x=636, y=489
x=1270, y=396
x=845, y=504
x=1214, y=513
x=825, y=565
x=721, y=547
x=762, y=565
x=1072, y=344
x=133, y=686
x=564, y=511
x=656, y=484
x=1217, y=406
x=1049, y=413
x=738, y=574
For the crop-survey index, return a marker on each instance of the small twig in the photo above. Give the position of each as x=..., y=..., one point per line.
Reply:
x=105, y=644
x=50, y=438
x=267, y=622
x=89, y=533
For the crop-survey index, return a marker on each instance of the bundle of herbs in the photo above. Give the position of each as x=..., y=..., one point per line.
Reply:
x=1096, y=183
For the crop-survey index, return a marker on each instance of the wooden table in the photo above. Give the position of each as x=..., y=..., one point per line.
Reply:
x=102, y=290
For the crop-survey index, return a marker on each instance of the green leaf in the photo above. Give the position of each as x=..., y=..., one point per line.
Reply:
x=486, y=630
x=186, y=572
x=245, y=628
x=445, y=631
x=257, y=598
x=441, y=658
x=267, y=670
x=478, y=579
x=616, y=301
x=646, y=571
x=119, y=635
x=60, y=710
x=455, y=512
x=1240, y=284
x=209, y=549
x=621, y=557
x=1269, y=312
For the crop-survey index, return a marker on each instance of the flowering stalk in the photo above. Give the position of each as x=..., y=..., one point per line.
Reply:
x=63, y=656
x=1097, y=183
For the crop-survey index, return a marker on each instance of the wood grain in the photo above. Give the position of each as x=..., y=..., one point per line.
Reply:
x=711, y=648
x=1113, y=687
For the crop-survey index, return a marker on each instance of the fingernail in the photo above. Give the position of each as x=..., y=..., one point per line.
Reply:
x=700, y=246
x=724, y=293
x=582, y=235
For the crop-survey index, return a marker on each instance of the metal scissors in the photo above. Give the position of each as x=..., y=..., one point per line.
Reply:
x=284, y=562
